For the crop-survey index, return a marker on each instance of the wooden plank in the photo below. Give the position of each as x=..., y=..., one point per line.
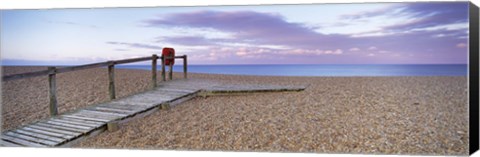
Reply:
x=151, y=98
x=118, y=103
x=52, y=91
x=75, y=68
x=144, y=103
x=172, y=57
x=75, y=123
x=185, y=66
x=139, y=102
x=173, y=89
x=105, y=112
x=37, y=135
x=124, y=111
x=115, y=109
x=67, y=133
x=181, y=99
x=9, y=144
x=111, y=81
x=168, y=96
x=162, y=95
x=84, y=128
x=25, y=75
x=170, y=71
x=154, y=70
x=96, y=115
x=30, y=138
x=132, y=60
x=163, y=69
x=82, y=67
x=112, y=126
x=60, y=135
x=81, y=131
x=157, y=92
x=21, y=141
x=251, y=90
x=124, y=106
x=186, y=88
x=71, y=143
x=86, y=118
x=82, y=121
x=188, y=85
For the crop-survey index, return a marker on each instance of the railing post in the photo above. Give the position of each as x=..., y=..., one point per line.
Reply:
x=111, y=79
x=184, y=66
x=52, y=91
x=170, y=69
x=154, y=70
x=163, y=68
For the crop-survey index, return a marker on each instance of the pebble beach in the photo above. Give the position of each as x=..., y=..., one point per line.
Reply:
x=425, y=115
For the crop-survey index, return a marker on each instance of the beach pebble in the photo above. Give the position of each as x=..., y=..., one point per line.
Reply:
x=360, y=115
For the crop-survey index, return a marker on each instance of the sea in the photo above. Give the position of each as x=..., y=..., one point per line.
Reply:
x=322, y=69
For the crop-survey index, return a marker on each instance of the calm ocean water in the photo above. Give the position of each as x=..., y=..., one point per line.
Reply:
x=322, y=70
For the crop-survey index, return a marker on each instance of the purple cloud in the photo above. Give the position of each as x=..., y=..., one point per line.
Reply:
x=372, y=13
x=426, y=14
x=136, y=45
x=248, y=27
x=189, y=40
x=402, y=43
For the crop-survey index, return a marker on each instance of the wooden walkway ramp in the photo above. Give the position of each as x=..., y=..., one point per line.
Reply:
x=69, y=128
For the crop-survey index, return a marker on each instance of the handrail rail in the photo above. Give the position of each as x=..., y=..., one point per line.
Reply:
x=52, y=71
x=79, y=67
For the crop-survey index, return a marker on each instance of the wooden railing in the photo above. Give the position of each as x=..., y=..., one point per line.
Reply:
x=52, y=71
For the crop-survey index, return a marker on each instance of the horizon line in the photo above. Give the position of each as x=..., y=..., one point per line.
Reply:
x=30, y=65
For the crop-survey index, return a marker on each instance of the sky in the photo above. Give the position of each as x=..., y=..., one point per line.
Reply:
x=356, y=33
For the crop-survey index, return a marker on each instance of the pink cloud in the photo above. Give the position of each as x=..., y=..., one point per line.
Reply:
x=354, y=49
x=461, y=45
x=256, y=28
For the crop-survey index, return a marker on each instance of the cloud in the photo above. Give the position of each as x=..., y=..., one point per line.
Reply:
x=248, y=27
x=422, y=32
x=461, y=45
x=186, y=40
x=372, y=48
x=372, y=13
x=71, y=23
x=121, y=49
x=433, y=14
x=136, y=45
x=382, y=51
x=354, y=49
x=418, y=15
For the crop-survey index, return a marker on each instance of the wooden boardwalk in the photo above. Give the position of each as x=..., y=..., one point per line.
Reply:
x=69, y=128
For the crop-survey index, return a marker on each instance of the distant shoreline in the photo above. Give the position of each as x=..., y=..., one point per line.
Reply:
x=323, y=70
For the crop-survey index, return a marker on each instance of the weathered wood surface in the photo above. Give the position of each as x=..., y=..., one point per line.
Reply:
x=184, y=66
x=154, y=71
x=75, y=68
x=52, y=91
x=73, y=126
x=170, y=71
x=25, y=75
x=163, y=68
x=111, y=81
